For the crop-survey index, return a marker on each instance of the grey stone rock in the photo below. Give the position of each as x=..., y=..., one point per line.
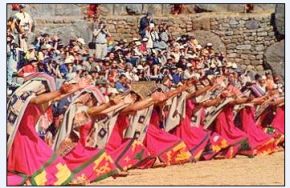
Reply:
x=255, y=62
x=247, y=62
x=231, y=46
x=262, y=34
x=244, y=47
x=280, y=18
x=260, y=47
x=244, y=56
x=233, y=22
x=238, y=60
x=250, y=67
x=210, y=8
x=206, y=36
x=155, y=9
x=264, y=7
x=259, y=68
x=252, y=24
x=78, y=29
x=232, y=7
x=259, y=57
x=119, y=9
x=252, y=57
x=229, y=33
x=243, y=67
x=275, y=57
x=232, y=55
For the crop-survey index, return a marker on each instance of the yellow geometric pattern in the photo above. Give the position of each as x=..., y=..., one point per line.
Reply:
x=105, y=168
x=217, y=148
x=40, y=179
x=182, y=153
x=63, y=173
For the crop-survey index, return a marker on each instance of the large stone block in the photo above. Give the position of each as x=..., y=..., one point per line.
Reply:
x=275, y=57
x=260, y=47
x=252, y=24
x=280, y=18
x=206, y=36
x=244, y=47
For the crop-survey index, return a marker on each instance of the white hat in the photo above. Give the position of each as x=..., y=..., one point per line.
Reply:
x=198, y=46
x=138, y=43
x=70, y=78
x=69, y=59
x=81, y=40
x=234, y=66
x=134, y=70
x=79, y=67
x=188, y=65
x=128, y=76
x=117, y=48
x=210, y=77
x=209, y=44
x=154, y=51
x=145, y=39
x=46, y=46
x=219, y=64
x=112, y=90
x=188, y=56
x=229, y=65
x=196, y=75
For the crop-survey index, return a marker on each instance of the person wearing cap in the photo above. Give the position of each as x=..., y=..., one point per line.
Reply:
x=31, y=53
x=24, y=22
x=188, y=73
x=152, y=36
x=44, y=51
x=121, y=84
x=81, y=42
x=163, y=34
x=176, y=52
x=67, y=67
x=144, y=23
x=209, y=47
x=101, y=34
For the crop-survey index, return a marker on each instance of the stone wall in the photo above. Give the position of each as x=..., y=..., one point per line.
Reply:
x=244, y=37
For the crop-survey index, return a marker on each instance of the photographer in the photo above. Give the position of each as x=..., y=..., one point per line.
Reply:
x=23, y=23
x=101, y=34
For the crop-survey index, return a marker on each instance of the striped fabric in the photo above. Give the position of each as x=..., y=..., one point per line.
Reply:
x=35, y=83
x=257, y=91
x=67, y=124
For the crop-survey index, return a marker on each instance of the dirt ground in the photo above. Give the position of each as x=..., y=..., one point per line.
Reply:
x=261, y=170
